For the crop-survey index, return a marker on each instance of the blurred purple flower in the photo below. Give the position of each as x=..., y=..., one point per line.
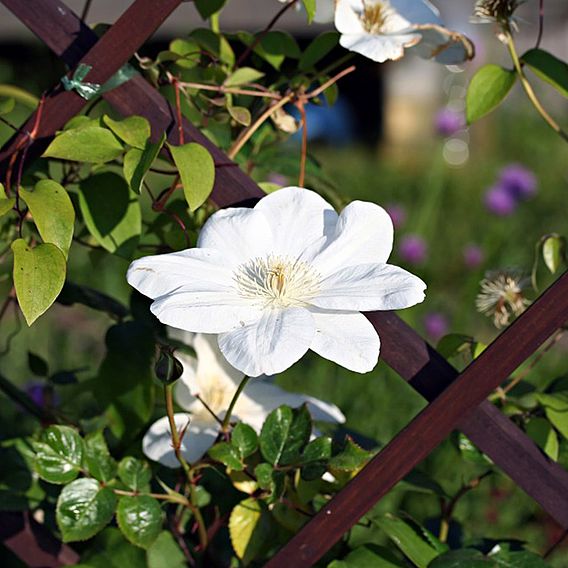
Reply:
x=449, y=122
x=278, y=179
x=473, y=255
x=436, y=325
x=413, y=249
x=42, y=394
x=499, y=201
x=397, y=213
x=518, y=180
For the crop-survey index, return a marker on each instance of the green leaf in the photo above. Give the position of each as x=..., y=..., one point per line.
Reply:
x=504, y=557
x=310, y=7
x=556, y=409
x=411, y=543
x=318, y=49
x=7, y=105
x=244, y=439
x=52, y=211
x=540, y=430
x=83, y=509
x=134, y=473
x=315, y=458
x=487, y=89
x=554, y=252
x=243, y=75
x=37, y=365
x=140, y=519
x=90, y=144
x=263, y=474
x=187, y=52
x=111, y=212
x=548, y=68
x=216, y=44
x=73, y=293
x=100, y=464
x=109, y=549
x=165, y=553
x=226, y=454
x=240, y=114
x=461, y=558
x=124, y=383
x=249, y=529
x=134, y=130
x=137, y=163
x=471, y=453
x=367, y=556
x=280, y=43
x=207, y=8
x=6, y=205
x=351, y=458
x=39, y=274
x=197, y=171
x=59, y=454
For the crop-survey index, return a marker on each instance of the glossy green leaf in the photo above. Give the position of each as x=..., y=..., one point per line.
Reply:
x=461, y=558
x=548, y=68
x=504, y=557
x=351, y=458
x=165, y=553
x=244, y=439
x=52, y=212
x=315, y=457
x=98, y=461
x=39, y=274
x=487, y=89
x=7, y=105
x=556, y=409
x=310, y=7
x=411, y=543
x=140, y=519
x=83, y=509
x=134, y=130
x=207, y=8
x=227, y=454
x=249, y=529
x=111, y=212
x=91, y=144
x=240, y=114
x=540, y=430
x=554, y=252
x=59, y=454
x=138, y=162
x=109, y=549
x=263, y=474
x=6, y=205
x=318, y=49
x=188, y=52
x=197, y=171
x=134, y=473
x=243, y=75
x=367, y=556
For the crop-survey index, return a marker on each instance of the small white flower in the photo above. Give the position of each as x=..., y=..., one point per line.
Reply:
x=211, y=380
x=287, y=276
x=385, y=29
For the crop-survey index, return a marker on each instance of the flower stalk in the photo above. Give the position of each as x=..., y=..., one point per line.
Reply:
x=227, y=420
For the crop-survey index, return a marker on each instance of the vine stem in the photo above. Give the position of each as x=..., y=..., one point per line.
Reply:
x=240, y=389
x=229, y=90
x=529, y=90
x=160, y=496
x=304, y=151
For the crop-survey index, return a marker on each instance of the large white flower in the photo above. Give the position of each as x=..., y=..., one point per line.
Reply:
x=287, y=276
x=385, y=29
x=211, y=380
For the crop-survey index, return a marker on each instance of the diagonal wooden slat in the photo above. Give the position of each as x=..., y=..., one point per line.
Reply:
x=403, y=349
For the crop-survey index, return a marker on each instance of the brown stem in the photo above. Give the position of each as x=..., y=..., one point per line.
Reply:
x=304, y=151
x=230, y=90
x=330, y=82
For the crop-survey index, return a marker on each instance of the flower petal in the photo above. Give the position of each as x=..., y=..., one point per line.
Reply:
x=347, y=20
x=379, y=48
x=270, y=345
x=298, y=217
x=370, y=287
x=417, y=11
x=157, y=442
x=443, y=45
x=363, y=235
x=192, y=269
x=348, y=339
x=261, y=397
x=239, y=233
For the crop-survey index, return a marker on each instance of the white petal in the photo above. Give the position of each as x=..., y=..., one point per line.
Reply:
x=443, y=45
x=185, y=385
x=240, y=233
x=191, y=269
x=379, y=48
x=417, y=11
x=212, y=365
x=347, y=20
x=272, y=344
x=298, y=217
x=325, y=11
x=363, y=235
x=157, y=442
x=370, y=287
x=268, y=397
x=348, y=339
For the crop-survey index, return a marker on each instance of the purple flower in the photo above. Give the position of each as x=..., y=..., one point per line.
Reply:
x=449, y=122
x=36, y=392
x=499, y=201
x=413, y=249
x=473, y=255
x=519, y=181
x=397, y=214
x=278, y=179
x=436, y=325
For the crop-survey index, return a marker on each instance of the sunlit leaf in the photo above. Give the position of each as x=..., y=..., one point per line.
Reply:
x=249, y=529
x=59, y=454
x=134, y=130
x=487, y=89
x=140, y=519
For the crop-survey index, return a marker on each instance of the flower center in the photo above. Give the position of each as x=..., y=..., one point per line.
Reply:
x=374, y=16
x=277, y=281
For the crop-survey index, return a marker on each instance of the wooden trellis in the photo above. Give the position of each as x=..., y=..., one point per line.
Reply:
x=456, y=401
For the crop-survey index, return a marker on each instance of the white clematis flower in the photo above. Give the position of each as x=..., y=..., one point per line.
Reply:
x=385, y=29
x=287, y=276
x=214, y=381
